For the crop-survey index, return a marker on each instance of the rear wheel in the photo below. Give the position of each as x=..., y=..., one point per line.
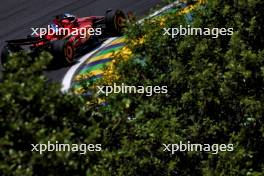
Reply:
x=63, y=50
x=115, y=21
x=7, y=50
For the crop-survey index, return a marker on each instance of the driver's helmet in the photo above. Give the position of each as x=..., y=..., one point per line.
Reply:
x=66, y=18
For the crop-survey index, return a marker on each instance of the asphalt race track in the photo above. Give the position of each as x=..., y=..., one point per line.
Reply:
x=18, y=16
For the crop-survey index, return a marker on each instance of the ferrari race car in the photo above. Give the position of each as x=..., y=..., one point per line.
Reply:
x=68, y=35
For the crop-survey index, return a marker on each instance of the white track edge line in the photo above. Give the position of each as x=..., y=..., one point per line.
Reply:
x=160, y=11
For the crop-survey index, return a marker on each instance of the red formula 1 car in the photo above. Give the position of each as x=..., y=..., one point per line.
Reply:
x=68, y=35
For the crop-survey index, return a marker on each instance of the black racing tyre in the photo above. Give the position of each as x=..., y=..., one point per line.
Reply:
x=62, y=50
x=115, y=21
x=7, y=50
x=4, y=54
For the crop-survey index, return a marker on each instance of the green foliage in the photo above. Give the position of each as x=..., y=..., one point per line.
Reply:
x=215, y=95
x=34, y=111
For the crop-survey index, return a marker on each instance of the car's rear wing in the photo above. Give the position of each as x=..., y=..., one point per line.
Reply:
x=26, y=41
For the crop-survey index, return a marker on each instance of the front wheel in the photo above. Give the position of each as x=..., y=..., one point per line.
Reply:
x=115, y=21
